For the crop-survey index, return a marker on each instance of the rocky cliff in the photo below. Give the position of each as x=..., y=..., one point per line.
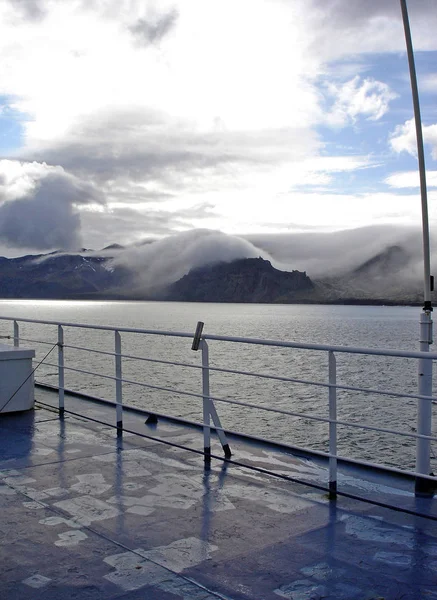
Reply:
x=245, y=280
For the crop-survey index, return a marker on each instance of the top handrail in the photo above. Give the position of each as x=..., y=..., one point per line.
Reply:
x=241, y=340
x=324, y=347
x=183, y=334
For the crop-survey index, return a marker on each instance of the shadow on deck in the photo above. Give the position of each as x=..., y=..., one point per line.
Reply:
x=88, y=515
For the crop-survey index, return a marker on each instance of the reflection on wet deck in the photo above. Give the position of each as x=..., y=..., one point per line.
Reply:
x=86, y=515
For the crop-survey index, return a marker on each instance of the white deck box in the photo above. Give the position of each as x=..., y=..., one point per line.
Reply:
x=15, y=367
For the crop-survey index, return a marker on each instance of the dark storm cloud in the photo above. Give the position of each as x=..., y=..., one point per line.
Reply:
x=152, y=31
x=47, y=218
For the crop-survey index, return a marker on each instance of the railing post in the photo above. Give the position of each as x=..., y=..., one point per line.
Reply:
x=61, y=383
x=332, y=365
x=423, y=487
x=209, y=410
x=118, y=385
x=206, y=402
x=16, y=334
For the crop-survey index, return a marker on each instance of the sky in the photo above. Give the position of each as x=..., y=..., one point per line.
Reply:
x=260, y=120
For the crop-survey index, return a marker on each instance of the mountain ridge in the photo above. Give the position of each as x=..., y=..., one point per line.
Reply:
x=90, y=275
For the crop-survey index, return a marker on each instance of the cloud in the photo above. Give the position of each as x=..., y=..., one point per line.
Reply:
x=357, y=97
x=334, y=253
x=152, y=31
x=168, y=259
x=344, y=28
x=321, y=255
x=189, y=114
x=33, y=10
x=127, y=225
x=190, y=74
x=38, y=206
x=165, y=167
x=146, y=145
x=45, y=226
x=410, y=179
x=403, y=139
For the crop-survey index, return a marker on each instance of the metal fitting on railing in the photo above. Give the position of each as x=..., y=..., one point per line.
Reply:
x=197, y=336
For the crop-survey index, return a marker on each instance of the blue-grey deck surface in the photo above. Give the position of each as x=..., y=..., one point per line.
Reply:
x=86, y=515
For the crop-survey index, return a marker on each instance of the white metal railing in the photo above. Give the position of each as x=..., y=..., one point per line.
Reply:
x=211, y=418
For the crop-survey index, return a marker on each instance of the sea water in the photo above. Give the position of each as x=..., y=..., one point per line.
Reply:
x=363, y=326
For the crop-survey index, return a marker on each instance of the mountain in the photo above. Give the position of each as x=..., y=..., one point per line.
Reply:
x=59, y=275
x=387, y=277
x=244, y=280
x=113, y=247
x=391, y=261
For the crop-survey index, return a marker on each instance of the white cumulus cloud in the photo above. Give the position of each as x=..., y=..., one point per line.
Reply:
x=358, y=97
x=403, y=139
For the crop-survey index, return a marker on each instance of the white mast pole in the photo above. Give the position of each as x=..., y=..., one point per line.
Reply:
x=424, y=411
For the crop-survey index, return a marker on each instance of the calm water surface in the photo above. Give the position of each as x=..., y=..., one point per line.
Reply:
x=364, y=326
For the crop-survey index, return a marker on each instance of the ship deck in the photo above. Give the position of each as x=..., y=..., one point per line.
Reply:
x=86, y=514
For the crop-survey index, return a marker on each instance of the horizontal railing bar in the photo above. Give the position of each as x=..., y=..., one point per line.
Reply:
x=383, y=430
x=250, y=374
x=324, y=347
x=93, y=350
x=83, y=371
x=232, y=339
x=146, y=385
x=22, y=339
x=133, y=357
x=101, y=327
x=161, y=361
x=321, y=384
x=381, y=392
x=260, y=375
x=324, y=419
x=194, y=395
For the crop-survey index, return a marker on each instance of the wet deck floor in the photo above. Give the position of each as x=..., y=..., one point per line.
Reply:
x=84, y=515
